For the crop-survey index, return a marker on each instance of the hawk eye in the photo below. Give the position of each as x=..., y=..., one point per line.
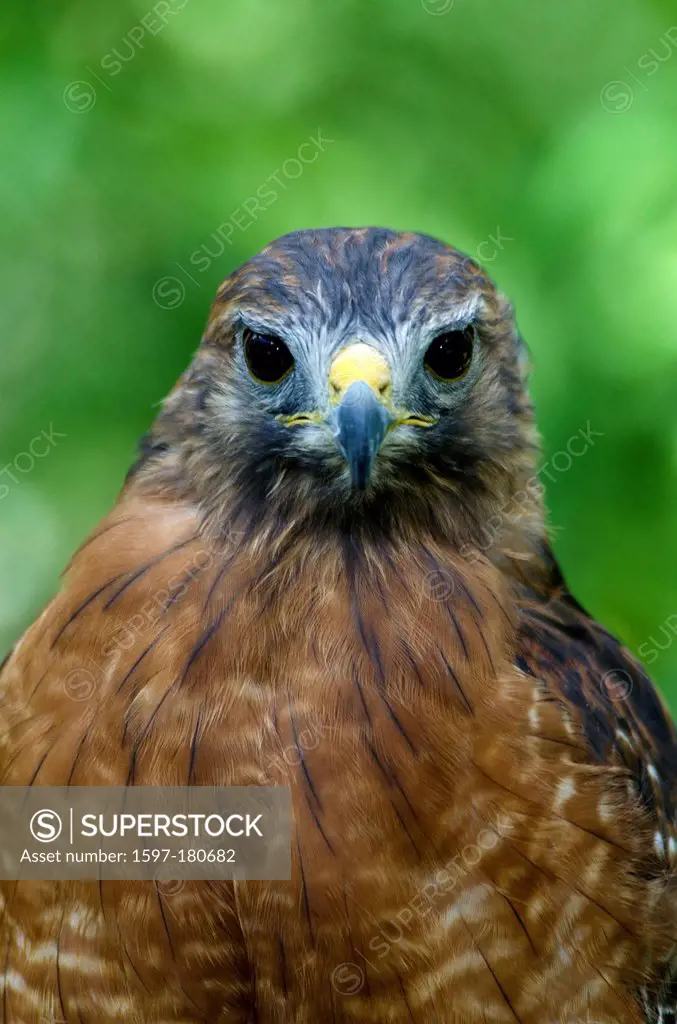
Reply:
x=268, y=358
x=450, y=354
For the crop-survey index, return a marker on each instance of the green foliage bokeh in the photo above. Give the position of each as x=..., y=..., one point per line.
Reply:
x=539, y=137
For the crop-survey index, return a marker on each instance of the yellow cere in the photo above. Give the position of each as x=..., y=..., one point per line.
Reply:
x=359, y=362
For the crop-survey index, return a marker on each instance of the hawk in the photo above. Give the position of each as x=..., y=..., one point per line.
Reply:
x=329, y=569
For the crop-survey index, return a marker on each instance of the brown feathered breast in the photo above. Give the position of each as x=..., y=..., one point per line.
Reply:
x=455, y=854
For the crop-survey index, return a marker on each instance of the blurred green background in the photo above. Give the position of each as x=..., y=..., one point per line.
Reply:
x=539, y=137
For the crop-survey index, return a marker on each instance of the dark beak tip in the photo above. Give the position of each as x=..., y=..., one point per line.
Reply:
x=360, y=471
x=362, y=422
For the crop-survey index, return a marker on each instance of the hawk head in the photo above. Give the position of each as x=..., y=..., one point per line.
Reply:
x=358, y=378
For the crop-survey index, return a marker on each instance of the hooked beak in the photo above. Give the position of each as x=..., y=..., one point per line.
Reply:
x=362, y=422
x=360, y=391
x=361, y=409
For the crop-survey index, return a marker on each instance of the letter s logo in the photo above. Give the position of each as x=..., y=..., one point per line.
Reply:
x=46, y=826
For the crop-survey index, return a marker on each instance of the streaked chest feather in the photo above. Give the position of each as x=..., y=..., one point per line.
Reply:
x=435, y=845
